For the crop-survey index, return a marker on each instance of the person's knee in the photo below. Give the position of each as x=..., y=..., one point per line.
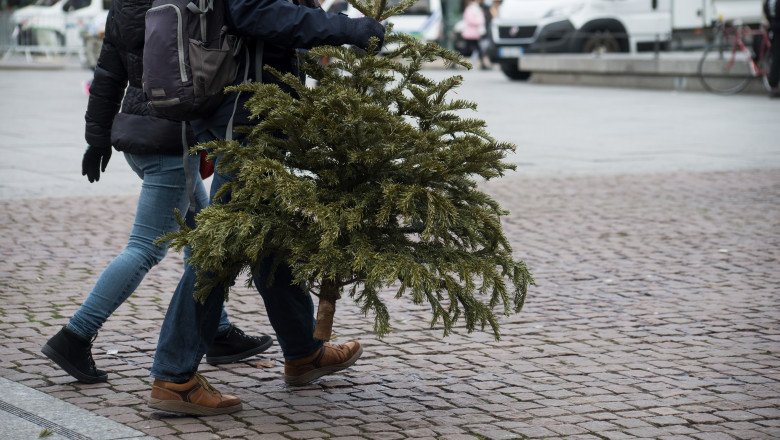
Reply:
x=146, y=251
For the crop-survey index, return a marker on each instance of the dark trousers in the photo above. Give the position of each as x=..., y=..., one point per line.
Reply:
x=189, y=326
x=473, y=46
x=774, y=70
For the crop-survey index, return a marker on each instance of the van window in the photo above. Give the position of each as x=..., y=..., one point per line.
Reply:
x=73, y=5
x=45, y=2
x=421, y=7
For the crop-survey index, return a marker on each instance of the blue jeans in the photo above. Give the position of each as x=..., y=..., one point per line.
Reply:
x=164, y=188
x=189, y=326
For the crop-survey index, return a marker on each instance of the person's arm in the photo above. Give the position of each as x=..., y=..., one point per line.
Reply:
x=105, y=98
x=283, y=24
x=107, y=89
x=765, y=9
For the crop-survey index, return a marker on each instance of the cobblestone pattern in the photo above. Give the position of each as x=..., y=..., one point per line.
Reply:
x=655, y=315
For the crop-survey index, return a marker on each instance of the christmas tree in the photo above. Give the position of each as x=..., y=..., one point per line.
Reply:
x=364, y=182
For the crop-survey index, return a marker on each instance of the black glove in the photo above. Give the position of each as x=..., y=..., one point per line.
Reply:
x=95, y=161
x=365, y=28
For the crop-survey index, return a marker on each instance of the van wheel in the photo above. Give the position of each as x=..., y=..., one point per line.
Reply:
x=601, y=42
x=511, y=71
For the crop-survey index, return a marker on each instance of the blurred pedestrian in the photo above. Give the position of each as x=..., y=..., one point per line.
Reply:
x=494, y=5
x=473, y=31
x=154, y=149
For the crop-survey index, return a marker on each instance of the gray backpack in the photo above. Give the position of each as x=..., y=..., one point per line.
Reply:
x=189, y=57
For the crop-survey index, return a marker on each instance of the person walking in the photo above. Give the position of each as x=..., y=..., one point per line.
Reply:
x=281, y=28
x=772, y=14
x=153, y=149
x=473, y=31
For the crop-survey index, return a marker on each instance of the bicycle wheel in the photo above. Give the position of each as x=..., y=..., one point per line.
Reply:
x=724, y=69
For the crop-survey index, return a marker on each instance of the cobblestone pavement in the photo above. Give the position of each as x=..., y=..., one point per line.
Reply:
x=655, y=315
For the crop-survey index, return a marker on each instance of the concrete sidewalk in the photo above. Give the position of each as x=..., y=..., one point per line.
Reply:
x=664, y=70
x=26, y=414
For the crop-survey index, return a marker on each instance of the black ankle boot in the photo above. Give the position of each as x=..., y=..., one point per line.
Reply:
x=234, y=345
x=74, y=355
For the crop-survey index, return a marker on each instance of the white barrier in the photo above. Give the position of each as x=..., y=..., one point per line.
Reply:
x=42, y=36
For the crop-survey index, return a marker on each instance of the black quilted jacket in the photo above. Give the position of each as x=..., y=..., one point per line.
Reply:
x=133, y=130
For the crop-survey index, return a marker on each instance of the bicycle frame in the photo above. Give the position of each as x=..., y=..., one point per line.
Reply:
x=727, y=66
x=739, y=33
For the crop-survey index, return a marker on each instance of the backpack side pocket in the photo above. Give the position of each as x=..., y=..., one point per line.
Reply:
x=212, y=69
x=165, y=70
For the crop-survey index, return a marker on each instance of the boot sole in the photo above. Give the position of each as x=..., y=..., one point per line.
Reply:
x=229, y=359
x=69, y=368
x=315, y=374
x=178, y=406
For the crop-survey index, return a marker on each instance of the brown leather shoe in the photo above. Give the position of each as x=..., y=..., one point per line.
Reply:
x=196, y=397
x=329, y=359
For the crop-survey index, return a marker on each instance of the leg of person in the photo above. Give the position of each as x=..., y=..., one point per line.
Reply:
x=291, y=312
x=186, y=334
x=482, y=48
x=163, y=190
x=473, y=46
x=774, y=70
x=230, y=344
x=202, y=200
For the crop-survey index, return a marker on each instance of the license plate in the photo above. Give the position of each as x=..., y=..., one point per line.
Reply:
x=510, y=52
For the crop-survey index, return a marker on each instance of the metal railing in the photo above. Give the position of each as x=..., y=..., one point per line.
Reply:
x=45, y=37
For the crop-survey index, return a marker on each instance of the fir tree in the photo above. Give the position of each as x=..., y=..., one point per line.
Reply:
x=363, y=182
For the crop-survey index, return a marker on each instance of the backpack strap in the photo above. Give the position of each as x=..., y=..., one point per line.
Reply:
x=258, y=74
x=201, y=10
x=187, y=170
x=259, y=61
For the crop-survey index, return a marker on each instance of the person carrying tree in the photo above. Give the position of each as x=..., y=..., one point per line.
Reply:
x=281, y=27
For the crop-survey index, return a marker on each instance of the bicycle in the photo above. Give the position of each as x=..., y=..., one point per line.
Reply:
x=728, y=65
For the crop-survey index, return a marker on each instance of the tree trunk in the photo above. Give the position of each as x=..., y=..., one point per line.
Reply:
x=329, y=293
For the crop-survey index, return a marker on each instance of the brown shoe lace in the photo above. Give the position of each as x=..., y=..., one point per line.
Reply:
x=206, y=385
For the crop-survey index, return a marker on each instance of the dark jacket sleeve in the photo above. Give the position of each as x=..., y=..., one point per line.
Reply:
x=108, y=85
x=766, y=10
x=283, y=24
x=773, y=17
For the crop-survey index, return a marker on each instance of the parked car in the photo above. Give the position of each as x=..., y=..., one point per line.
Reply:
x=58, y=23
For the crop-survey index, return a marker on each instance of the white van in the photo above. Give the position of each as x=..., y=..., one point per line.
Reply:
x=57, y=23
x=571, y=26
